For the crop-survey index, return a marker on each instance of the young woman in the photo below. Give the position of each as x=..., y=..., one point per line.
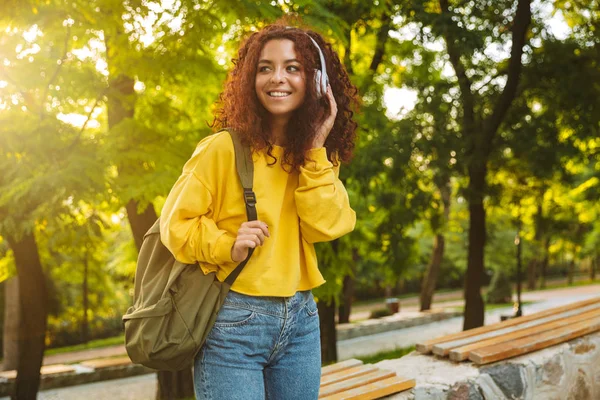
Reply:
x=265, y=342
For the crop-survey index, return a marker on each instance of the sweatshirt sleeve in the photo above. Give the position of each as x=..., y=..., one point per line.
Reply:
x=322, y=201
x=185, y=228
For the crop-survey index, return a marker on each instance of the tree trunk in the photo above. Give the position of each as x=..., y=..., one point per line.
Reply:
x=593, y=268
x=12, y=317
x=85, y=329
x=345, y=308
x=570, y=272
x=474, y=307
x=140, y=223
x=544, y=265
x=175, y=385
x=347, y=294
x=430, y=279
x=33, y=304
x=328, y=332
x=532, y=274
x=433, y=269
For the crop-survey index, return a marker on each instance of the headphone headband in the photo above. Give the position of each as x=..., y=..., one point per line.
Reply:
x=321, y=78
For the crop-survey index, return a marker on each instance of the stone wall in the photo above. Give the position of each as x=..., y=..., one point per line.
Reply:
x=568, y=371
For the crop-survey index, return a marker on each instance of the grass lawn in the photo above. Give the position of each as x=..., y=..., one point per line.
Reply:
x=489, y=307
x=550, y=285
x=386, y=355
x=92, y=344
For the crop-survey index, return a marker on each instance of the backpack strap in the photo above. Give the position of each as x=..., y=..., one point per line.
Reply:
x=245, y=170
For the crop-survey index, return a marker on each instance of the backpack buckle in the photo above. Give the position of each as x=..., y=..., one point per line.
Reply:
x=249, y=197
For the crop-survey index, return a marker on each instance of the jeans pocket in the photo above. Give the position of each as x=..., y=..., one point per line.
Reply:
x=232, y=316
x=311, y=308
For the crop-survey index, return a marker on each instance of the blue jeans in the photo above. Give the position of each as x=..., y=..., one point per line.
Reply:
x=261, y=348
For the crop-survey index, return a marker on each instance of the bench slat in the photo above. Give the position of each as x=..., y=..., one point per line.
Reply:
x=462, y=353
x=348, y=384
x=330, y=369
x=375, y=390
x=526, y=345
x=347, y=374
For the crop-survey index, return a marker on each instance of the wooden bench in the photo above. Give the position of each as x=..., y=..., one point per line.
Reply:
x=518, y=336
x=351, y=379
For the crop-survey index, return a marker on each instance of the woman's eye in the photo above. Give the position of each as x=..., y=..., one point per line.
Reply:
x=263, y=69
x=293, y=68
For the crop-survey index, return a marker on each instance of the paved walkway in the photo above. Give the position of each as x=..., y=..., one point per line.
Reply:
x=144, y=387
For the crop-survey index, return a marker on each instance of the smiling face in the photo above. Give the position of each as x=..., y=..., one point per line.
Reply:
x=280, y=79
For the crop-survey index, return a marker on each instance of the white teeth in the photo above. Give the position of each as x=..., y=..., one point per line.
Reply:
x=278, y=94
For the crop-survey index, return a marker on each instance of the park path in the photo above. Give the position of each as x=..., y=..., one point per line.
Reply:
x=144, y=387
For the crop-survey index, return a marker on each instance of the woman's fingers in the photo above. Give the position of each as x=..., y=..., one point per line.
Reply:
x=256, y=225
x=332, y=103
x=250, y=235
x=327, y=124
x=259, y=233
x=250, y=240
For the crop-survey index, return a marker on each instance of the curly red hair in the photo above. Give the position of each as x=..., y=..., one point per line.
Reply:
x=238, y=107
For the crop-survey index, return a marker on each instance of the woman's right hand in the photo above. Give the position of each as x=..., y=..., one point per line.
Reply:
x=250, y=235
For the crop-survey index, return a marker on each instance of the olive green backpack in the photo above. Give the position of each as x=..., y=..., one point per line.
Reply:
x=176, y=304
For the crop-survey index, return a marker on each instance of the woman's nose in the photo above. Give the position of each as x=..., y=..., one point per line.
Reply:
x=277, y=76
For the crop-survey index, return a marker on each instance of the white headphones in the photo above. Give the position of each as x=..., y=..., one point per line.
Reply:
x=321, y=78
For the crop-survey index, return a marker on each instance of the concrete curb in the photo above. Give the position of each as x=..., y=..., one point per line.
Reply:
x=393, y=322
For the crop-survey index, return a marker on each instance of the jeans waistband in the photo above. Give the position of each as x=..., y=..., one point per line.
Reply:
x=277, y=306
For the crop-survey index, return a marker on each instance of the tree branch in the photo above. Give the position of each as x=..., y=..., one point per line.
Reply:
x=347, y=53
x=519, y=30
x=89, y=117
x=56, y=71
x=468, y=100
x=382, y=36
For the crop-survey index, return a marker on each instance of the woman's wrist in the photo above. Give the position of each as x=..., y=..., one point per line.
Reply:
x=318, y=143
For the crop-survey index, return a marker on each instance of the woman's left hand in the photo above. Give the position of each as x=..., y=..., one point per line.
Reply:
x=325, y=128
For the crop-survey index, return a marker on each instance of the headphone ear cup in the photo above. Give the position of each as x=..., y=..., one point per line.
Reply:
x=318, y=88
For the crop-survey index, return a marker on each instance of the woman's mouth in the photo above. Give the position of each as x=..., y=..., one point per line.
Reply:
x=278, y=94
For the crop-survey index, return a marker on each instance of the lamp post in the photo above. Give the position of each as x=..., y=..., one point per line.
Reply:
x=519, y=310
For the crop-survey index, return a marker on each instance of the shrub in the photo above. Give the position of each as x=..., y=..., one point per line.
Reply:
x=380, y=312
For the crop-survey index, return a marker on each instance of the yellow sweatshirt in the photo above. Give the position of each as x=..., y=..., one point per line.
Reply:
x=205, y=209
